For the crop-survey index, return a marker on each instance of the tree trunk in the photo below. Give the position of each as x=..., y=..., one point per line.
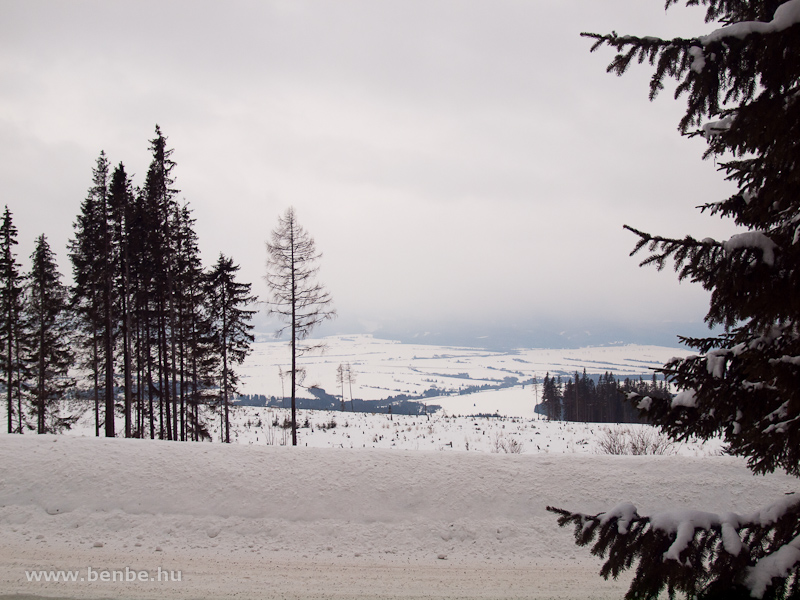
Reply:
x=225, y=365
x=109, y=352
x=294, y=349
x=96, y=369
x=9, y=363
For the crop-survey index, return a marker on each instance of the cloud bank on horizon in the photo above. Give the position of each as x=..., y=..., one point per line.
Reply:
x=459, y=161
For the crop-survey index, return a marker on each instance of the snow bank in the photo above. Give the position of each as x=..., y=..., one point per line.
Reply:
x=63, y=474
x=234, y=518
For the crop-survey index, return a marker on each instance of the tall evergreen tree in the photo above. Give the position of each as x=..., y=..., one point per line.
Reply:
x=198, y=357
x=93, y=253
x=142, y=228
x=140, y=298
x=86, y=255
x=160, y=197
x=106, y=274
x=120, y=208
x=297, y=299
x=48, y=325
x=551, y=398
x=742, y=82
x=230, y=328
x=10, y=332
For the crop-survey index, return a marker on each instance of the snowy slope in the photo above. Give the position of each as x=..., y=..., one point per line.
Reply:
x=275, y=522
x=440, y=432
x=386, y=368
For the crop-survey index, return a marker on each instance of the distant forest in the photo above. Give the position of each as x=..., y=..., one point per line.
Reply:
x=585, y=400
x=324, y=401
x=581, y=398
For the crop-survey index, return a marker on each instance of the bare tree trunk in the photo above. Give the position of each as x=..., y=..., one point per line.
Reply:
x=9, y=362
x=109, y=352
x=294, y=349
x=150, y=380
x=126, y=343
x=18, y=362
x=225, y=367
x=350, y=383
x=42, y=425
x=96, y=369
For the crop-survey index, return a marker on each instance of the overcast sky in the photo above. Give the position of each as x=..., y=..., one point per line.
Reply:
x=461, y=161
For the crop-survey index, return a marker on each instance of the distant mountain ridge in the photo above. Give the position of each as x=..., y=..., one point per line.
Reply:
x=504, y=337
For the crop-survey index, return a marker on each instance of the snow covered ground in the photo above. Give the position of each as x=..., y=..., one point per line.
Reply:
x=375, y=507
x=386, y=368
x=279, y=522
x=440, y=432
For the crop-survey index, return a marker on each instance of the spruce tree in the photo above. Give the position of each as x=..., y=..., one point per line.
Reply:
x=85, y=254
x=120, y=202
x=552, y=398
x=48, y=324
x=93, y=253
x=142, y=235
x=160, y=197
x=742, y=84
x=230, y=329
x=197, y=362
x=10, y=332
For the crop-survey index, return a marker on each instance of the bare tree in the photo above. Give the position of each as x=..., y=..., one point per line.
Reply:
x=351, y=379
x=296, y=298
x=341, y=377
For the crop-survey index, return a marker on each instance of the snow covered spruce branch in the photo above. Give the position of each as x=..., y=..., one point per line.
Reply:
x=720, y=267
x=742, y=388
x=742, y=84
x=735, y=61
x=673, y=547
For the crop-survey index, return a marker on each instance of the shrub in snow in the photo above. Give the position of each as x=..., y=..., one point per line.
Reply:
x=506, y=444
x=742, y=81
x=634, y=440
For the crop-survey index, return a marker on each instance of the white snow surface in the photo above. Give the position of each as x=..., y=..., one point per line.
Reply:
x=786, y=15
x=253, y=521
x=777, y=564
x=377, y=506
x=386, y=368
x=685, y=398
x=753, y=239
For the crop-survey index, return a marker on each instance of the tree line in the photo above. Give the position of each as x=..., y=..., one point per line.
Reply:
x=154, y=333
x=581, y=399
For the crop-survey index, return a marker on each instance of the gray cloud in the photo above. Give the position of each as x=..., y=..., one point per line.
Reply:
x=459, y=160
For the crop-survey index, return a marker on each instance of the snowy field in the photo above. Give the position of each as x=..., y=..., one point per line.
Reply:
x=386, y=368
x=370, y=506
x=437, y=432
x=280, y=522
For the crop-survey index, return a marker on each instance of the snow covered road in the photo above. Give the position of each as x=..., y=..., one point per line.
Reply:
x=276, y=522
x=238, y=576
